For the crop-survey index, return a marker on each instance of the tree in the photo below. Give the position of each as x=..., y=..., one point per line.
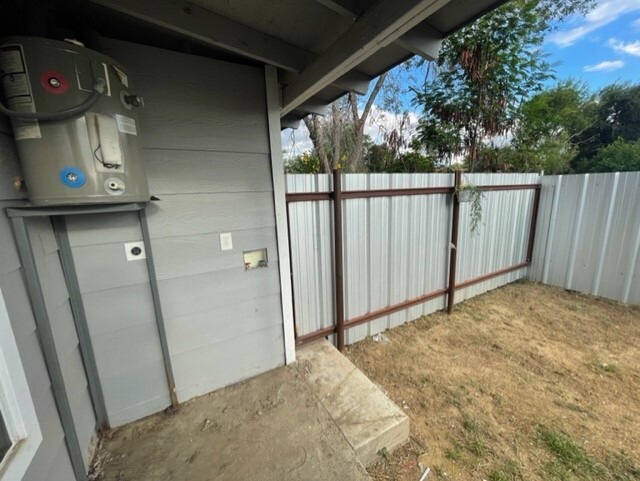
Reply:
x=548, y=131
x=338, y=138
x=484, y=73
x=617, y=117
x=618, y=156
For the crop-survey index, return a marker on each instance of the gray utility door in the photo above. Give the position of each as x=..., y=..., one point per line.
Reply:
x=121, y=319
x=56, y=298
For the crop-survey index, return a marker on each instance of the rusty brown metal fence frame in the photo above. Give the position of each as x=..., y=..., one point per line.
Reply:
x=337, y=195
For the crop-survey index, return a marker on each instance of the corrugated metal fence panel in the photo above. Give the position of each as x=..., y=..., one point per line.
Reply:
x=397, y=248
x=592, y=241
x=502, y=237
x=311, y=254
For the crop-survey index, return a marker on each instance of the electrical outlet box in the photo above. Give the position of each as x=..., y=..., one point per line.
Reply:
x=135, y=251
x=255, y=259
x=226, y=241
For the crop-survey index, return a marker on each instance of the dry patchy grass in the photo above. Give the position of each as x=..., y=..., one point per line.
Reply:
x=527, y=382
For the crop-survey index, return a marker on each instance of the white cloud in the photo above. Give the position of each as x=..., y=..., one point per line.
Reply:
x=606, y=66
x=605, y=12
x=295, y=142
x=630, y=48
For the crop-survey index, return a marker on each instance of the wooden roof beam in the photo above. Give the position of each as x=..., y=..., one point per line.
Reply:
x=422, y=40
x=212, y=29
x=384, y=23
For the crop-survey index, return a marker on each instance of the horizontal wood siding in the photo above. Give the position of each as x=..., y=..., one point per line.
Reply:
x=45, y=249
x=206, y=151
x=192, y=103
x=117, y=299
x=51, y=462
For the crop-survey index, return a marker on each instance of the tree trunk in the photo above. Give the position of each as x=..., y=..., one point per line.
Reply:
x=315, y=134
x=360, y=121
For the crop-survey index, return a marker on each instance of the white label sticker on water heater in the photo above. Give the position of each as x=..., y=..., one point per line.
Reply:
x=24, y=129
x=126, y=125
x=11, y=59
x=15, y=85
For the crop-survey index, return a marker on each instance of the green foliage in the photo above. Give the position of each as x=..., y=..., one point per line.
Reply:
x=547, y=132
x=384, y=454
x=566, y=128
x=509, y=471
x=306, y=163
x=485, y=71
x=552, y=156
x=570, y=459
x=470, y=424
x=617, y=120
x=559, y=113
x=382, y=158
x=475, y=196
x=619, y=156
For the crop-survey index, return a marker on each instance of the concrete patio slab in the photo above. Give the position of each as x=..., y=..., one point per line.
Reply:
x=269, y=428
x=366, y=416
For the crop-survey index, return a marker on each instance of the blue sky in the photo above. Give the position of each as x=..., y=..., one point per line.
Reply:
x=600, y=48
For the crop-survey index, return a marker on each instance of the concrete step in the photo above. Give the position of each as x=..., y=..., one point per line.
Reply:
x=369, y=420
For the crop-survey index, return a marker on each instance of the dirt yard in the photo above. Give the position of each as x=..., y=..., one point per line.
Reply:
x=527, y=382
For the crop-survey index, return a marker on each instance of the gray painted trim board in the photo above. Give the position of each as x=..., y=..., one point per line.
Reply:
x=280, y=207
x=45, y=335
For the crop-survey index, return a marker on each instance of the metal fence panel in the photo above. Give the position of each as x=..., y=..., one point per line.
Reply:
x=589, y=234
x=311, y=247
x=393, y=250
x=501, y=239
x=397, y=248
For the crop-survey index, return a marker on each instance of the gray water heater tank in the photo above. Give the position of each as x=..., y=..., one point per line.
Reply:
x=74, y=120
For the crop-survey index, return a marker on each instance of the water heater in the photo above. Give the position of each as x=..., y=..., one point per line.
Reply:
x=73, y=113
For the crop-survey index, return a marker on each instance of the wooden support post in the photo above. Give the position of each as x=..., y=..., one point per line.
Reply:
x=534, y=223
x=337, y=258
x=453, y=248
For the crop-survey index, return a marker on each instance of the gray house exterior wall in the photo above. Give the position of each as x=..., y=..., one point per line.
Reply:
x=116, y=295
x=51, y=461
x=207, y=152
x=206, y=148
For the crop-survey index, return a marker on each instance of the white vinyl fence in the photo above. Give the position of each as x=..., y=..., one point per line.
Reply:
x=588, y=235
x=397, y=248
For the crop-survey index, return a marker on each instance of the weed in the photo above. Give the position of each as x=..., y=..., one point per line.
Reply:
x=477, y=447
x=509, y=471
x=497, y=475
x=577, y=306
x=470, y=424
x=453, y=454
x=384, y=454
x=570, y=459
